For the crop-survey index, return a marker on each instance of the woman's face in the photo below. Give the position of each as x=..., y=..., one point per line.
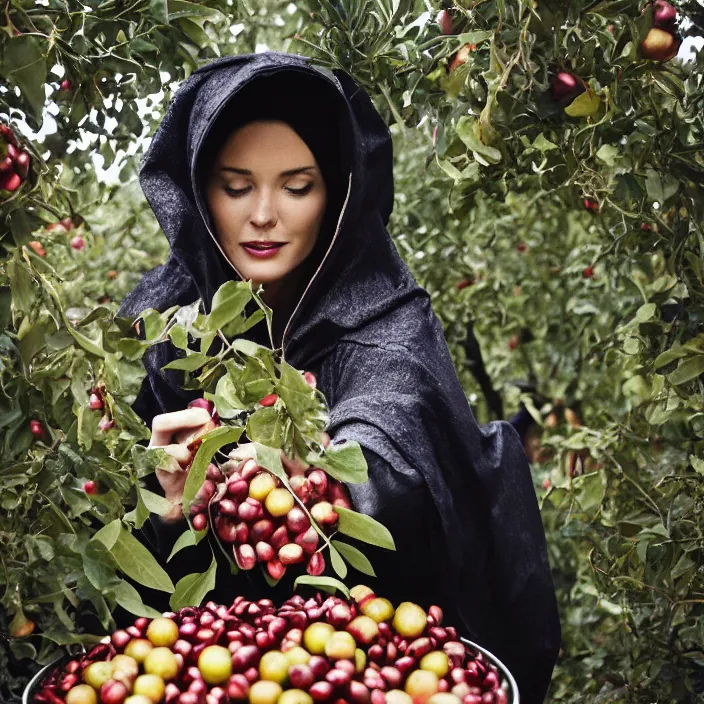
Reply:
x=267, y=199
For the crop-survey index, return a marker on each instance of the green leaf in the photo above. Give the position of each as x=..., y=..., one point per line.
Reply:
x=584, y=105
x=185, y=540
x=328, y=584
x=130, y=600
x=270, y=458
x=155, y=503
x=212, y=442
x=191, y=589
x=138, y=563
x=697, y=464
x=344, y=462
x=266, y=426
x=109, y=534
x=190, y=363
x=467, y=132
x=302, y=400
x=229, y=303
x=355, y=557
x=338, y=564
x=687, y=370
x=364, y=528
x=24, y=63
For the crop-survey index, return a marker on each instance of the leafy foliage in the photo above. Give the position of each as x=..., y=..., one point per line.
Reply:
x=568, y=234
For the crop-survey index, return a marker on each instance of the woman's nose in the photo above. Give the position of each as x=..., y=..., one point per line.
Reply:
x=264, y=213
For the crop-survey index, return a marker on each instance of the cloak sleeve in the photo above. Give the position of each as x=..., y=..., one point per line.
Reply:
x=458, y=499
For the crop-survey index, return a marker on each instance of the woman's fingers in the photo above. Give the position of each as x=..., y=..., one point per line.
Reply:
x=165, y=425
x=180, y=453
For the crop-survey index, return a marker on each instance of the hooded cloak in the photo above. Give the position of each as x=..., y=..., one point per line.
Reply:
x=458, y=498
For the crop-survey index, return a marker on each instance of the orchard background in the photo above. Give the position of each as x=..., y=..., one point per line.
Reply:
x=549, y=171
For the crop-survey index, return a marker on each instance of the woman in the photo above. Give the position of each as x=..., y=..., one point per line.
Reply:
x=457, y=498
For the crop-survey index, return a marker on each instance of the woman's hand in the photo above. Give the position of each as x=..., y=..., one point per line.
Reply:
x=173, y=432
x=293, y=467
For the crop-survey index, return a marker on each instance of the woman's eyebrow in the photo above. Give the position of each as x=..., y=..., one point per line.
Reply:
x=247, y=172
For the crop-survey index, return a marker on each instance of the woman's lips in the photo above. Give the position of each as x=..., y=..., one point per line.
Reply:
x=262, y=250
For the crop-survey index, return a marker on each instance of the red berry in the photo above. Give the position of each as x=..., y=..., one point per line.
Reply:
x=310, y=379
x=646, y=226
x=565, y=86
x=590, y=204
x=106, y=423
x=547, y=483
x=65, y=84
x=444, y=20
x=78, y=243
x=95, y=403
x=6, y=165
x=664, y=14
x=67, y=223
x=588, y=273
x=513, y=342
x=8, y=135
x=10, y=182
x=37, y=428
x=463, y=284
x=269, y=400
x=22, y=164
x=521, y=246
x=37, y=247
x=89, y=487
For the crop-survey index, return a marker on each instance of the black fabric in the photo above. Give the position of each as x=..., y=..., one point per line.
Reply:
x=457, y=497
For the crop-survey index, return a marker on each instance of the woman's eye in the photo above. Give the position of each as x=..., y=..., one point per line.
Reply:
x=294, y=191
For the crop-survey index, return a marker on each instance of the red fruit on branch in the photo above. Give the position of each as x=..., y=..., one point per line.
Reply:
x=565, y=87
x=11, y=182
x=297, y=520
x=444, y=20
x=36, y=428
x=463, y=284
x=324, y=513
x=37, y=247
x=316, y=565
x=513, y=342
x=310, y=379
x=6, y=165
x=461, y=57
x=290, y=554
x=8, y=135
x=78, y=243
x=269, y=400
x=106, y=423
x=89, y=487
x=590, y=204
x=245, y=557
x=22, y=164
x=275, y=569
x=95, y=402
x=664, y=14
x=588, y=272
x=659, y=45
x=67, y=223
x=200, y=522
x=308, y=540
x=65, y=84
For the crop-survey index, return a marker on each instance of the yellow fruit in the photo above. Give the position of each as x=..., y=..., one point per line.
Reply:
x=150, y=686
x=360, y=660
x=137, y=699
x=261, y=486
x=274, y=667
x=435, y=661
x=410, y=620
x=264, y=692
x=659, y=45
x=124, y=669
x=295, y=696
x=82, y=694
x=215, y=664
x=340, y=646
x=443, y=698
x=138, y=649
x=162, y=632
x=396, y=696
x=379, y=609
x=421, y=685
x=297, y=656
x=316, y=636
x=279, y=502
x=161, y=661
x=97, y=674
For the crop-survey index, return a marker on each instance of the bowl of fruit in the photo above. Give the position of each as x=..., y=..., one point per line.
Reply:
x=317, y=650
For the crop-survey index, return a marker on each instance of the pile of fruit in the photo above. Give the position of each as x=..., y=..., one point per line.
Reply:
x=261, y=519
x=14, y=161
x=324, y=649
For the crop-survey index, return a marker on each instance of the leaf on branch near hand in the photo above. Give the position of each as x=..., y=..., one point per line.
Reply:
x=355, y=557
x=265, y=426
x=138, y=563
x=327, y=584
x=229, y=303
x=129, y=599
x=344, y=462
x=191, y=589
x=212, y=442
x=364, y=528
x=155, y=503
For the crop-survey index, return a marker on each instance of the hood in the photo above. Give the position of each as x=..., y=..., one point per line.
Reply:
x=361, y=275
